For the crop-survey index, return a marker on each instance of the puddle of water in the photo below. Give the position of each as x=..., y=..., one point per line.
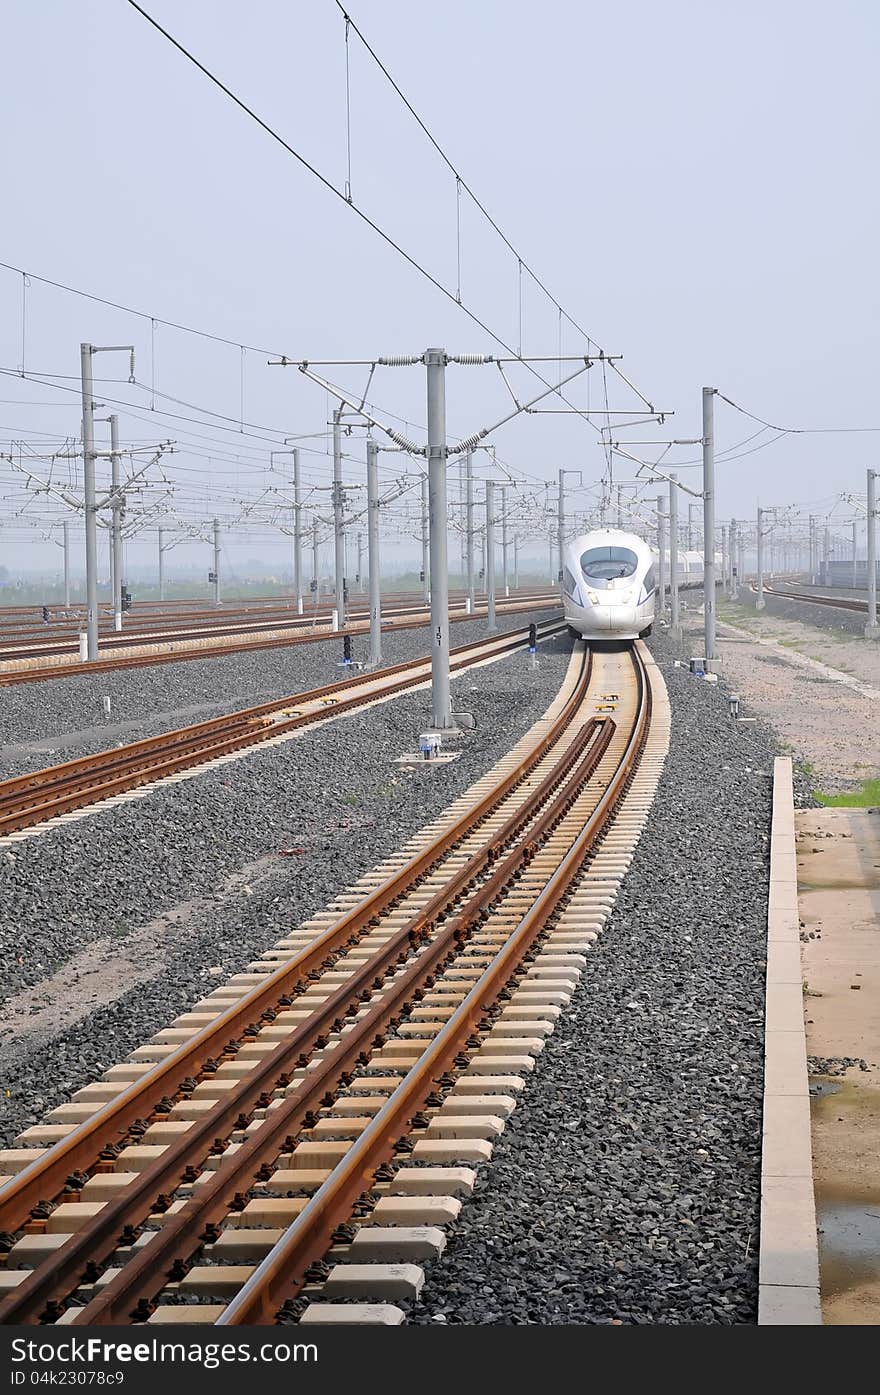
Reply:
x=849, y=1241
x=864, y=883
x=848, y=1216
x=818, y=1088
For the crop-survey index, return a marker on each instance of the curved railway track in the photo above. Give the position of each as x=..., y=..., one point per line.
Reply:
x=31, y=799
x=835, y=602
x=262, y=1158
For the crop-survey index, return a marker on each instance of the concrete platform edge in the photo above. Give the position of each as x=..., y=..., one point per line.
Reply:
x=788, y=1266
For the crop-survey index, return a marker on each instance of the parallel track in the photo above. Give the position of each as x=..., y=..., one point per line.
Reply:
x=280, y=637
x=267, y=1123
x=835, y=602
x=27, y=800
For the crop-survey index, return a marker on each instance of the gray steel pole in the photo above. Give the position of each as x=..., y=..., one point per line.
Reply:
x=91, y=511
x=297, y=532
x=161, y=567
x=65, y=533
x=469, y=526
x=338, y=533
x=826, y=555
x=462, y=504
x=855, y=554
x=673, y=557
x=491, y=624
x=550, y=549
x=315, y=563
x=435, y=362
x=516, y=561
x=116, y=523
x=620, y=506
x=560, y=519
x=814, y=563
x=375, y=657
x=426, y=545
x=360, y=562
x=661, y=554
x=709, y=521
x=690, y=532
x=760, y=602
x=216, y=561
x=871, y=628
x=504, y=581
x=733, y=559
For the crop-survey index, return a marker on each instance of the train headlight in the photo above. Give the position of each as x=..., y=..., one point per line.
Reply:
x=593, y=597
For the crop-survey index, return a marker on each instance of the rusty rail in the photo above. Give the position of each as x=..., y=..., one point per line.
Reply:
x=30, y=799
x=835, y=602
x=10, y=678
x=46, y=1176
x=282, y=1274
x=129, y=1293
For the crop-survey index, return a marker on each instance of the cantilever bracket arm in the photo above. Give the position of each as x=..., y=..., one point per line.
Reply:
x=341, y=396
x=471, y=442
x=659, y=474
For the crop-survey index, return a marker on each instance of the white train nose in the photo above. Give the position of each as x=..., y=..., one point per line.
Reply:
x=618, y=617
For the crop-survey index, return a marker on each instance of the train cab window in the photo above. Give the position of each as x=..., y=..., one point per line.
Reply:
x=650, y=581
x=569, y=585
x=602, y=565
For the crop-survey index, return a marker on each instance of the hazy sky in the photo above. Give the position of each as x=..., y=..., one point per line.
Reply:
x=695, y=182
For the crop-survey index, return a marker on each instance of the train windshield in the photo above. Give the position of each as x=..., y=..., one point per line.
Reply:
x=603, y=564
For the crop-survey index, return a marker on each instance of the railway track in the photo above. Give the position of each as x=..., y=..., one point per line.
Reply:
x=64, y=618
x=292, y=1147
x=32, y=799
x=40, y=643
x=64, y=667
x=836, y=602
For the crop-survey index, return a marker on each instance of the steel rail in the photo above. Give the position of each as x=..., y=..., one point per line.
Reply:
x=282, y=1273
x=157, y=615
x=30, y=799
x=10, y=678
x=47, y=1175
x=836, y=602
x=97, y=1242
x=147, y=633
x=129, y=1293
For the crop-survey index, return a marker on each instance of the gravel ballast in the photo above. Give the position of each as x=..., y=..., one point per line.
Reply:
x=625, y=1187
x=63, y=718
x=192, y=876
x=834, y=619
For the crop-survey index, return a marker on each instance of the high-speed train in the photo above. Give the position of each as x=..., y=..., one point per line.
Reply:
x=609, y=584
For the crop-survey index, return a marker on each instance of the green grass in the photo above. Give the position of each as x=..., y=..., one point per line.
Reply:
x=865, y=798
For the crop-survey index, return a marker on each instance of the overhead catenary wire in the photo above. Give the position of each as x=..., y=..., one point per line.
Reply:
x=798, y=430
x=461, y=182
x=341, y=195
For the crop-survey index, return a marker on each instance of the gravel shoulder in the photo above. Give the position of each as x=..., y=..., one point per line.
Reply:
x=838, y=624
x=109, y=926
x=625, y=1187
x=822, y=722
x=63, y=719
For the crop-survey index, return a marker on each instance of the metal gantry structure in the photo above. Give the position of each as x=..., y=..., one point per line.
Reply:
x=438, y=515
x=437, y=452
